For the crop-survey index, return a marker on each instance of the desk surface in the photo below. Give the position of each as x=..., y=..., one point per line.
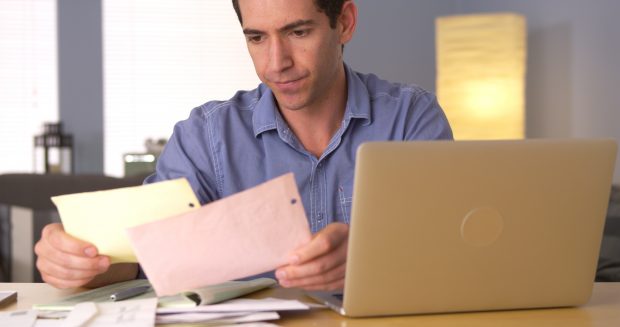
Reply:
x=603, y=310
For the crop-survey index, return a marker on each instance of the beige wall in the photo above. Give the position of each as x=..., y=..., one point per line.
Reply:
x=573, y=74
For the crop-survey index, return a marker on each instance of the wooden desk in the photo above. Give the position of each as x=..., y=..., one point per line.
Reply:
x=603, y=310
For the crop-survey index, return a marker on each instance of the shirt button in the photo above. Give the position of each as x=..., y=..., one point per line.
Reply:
x=320, y=217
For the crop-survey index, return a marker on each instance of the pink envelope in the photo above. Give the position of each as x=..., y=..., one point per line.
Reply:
x=247, y=233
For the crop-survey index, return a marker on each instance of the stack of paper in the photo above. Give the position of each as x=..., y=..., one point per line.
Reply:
x=143, y=312
x=233, y=311
x=130, y=313
x=95, y=308
x=189, y=299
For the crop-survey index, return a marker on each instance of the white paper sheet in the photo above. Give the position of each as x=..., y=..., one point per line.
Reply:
x=130, y=313
x=18, y=318
x=219, y=318
x=243, y=305
x=81, y=314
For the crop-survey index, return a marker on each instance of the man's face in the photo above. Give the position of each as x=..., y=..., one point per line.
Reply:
x=294, y=50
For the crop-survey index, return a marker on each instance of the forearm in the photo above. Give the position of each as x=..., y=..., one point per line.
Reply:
x=118, y=272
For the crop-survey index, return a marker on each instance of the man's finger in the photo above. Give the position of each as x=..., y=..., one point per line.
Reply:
x=50, y=268
x=327, y=278
x=317, y=266
x=60, y=283
x=46, y=252
x=323, y=242
x=335, y=286
x=68, y=261
x=56, y=236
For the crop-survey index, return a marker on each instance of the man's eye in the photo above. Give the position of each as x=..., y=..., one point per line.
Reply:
x=255, y=38
x=300, y=33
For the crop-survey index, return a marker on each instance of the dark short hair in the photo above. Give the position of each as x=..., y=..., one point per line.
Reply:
x=331, y=8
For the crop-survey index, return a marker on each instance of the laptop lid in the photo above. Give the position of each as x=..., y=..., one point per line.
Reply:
x=444, y=226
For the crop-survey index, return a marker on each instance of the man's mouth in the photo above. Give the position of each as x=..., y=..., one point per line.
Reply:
x=289, y=85
x=289, y=81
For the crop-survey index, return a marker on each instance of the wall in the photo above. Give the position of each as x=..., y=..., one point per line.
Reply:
x=80, y=71
x=573, y=76
x=395, y=39
x=572, y=47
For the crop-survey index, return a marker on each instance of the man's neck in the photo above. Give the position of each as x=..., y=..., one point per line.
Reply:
x=315, y=126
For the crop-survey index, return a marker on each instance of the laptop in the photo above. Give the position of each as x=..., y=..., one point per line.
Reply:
x=443, y=226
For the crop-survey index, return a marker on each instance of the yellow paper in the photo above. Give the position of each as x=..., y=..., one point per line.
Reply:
x=102, y=217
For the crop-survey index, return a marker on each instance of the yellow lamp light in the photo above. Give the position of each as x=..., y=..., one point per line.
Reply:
x=481, y=74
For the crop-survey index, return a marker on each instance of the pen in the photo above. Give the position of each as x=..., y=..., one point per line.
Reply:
x=129, y=292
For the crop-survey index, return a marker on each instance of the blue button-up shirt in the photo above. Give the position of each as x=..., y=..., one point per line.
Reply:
x=225, y=147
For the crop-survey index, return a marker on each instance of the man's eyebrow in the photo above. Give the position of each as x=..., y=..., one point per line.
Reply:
x=287, y=27
x=297, y=24
x=250, y=31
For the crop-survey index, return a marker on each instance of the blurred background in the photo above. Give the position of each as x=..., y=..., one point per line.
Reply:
x=119, y=72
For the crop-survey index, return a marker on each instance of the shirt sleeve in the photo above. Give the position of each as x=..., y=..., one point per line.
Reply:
x=426, y=119
x=188, y=154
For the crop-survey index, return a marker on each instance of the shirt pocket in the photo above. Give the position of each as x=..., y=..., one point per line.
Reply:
x=345, y=199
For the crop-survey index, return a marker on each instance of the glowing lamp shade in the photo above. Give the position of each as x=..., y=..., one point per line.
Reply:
x=481, y=74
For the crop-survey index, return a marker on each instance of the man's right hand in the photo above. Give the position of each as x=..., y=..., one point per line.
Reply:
x=65, y=261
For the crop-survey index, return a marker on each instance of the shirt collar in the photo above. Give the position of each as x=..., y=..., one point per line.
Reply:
x=266, y=113
x=358, y=98
x=264, y=116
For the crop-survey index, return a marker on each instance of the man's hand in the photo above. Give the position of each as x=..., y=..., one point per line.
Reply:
x=65, y=261
x=320, y=264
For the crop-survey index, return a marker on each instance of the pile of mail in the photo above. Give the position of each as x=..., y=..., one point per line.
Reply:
x=214, y=304
x=144, y=313
x=233, y=311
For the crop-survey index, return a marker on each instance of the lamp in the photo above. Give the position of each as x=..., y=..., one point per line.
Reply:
x=481, y=74
x=53, y=151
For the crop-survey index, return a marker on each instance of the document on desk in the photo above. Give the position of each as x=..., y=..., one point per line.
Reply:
x=233, y=311
x=81, y=314
x=130, y=313
x=18, y=318
x=242, y=305
x=202, y=296
x=247, y=233
x=102, y=217
x=219, y=318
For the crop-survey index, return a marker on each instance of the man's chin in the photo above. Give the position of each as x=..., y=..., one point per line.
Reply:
x=290, y=102
x=293, y=107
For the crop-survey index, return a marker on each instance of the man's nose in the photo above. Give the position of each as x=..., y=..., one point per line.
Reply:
x=280, y=57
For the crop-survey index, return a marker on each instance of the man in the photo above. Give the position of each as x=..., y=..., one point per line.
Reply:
x=308, y=116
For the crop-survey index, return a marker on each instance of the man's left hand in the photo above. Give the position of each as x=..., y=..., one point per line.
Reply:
x=320, y=264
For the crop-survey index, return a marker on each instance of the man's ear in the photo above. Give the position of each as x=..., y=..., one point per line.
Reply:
x=347, y=21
